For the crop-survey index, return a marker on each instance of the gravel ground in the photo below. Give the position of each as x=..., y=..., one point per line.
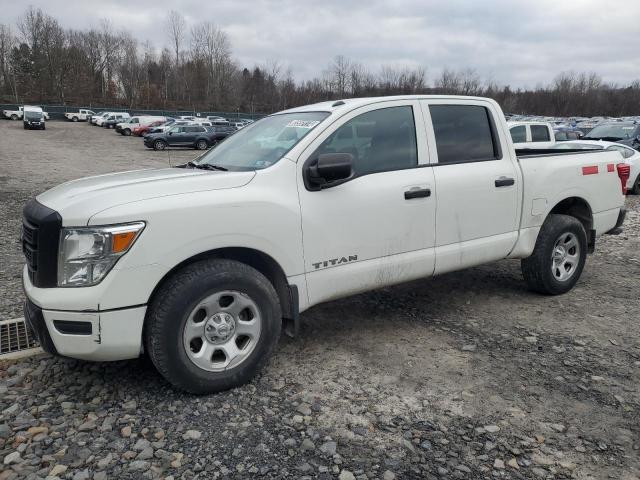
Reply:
x=467, y=375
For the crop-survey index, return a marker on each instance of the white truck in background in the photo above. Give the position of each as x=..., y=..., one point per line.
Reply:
x=18, y=114
x=201, y=265
x=79, y=116
x=531, y=134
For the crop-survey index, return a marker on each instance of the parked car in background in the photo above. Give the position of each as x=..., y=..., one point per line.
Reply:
x=81, y=115
x=19, y=113
x=103, y=118
x=126, y=128
x=193, y=136
x=91, y=117
x=112, y=120
x=142, y=129
x=567, y=133
x=33, y=118
x=165, y=126
x=626, y=133
x=101, y=115
x=630, y=157
x=531, y=134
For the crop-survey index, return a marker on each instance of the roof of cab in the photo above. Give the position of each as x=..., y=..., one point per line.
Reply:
x=350, y=103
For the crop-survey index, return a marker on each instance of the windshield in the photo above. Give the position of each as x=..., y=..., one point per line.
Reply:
x=612, y=130
x=264, y=142
x=33, y=115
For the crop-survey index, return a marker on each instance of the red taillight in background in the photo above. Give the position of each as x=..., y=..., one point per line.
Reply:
x=624, y=172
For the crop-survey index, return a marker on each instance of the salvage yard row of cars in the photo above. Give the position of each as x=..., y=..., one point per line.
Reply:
x=160, y=132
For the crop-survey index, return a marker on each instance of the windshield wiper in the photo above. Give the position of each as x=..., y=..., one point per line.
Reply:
x=207, y=166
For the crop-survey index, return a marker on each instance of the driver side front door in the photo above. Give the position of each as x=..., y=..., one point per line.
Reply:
x=377, y=228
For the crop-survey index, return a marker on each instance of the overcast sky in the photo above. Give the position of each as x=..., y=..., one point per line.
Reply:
x=516, y=42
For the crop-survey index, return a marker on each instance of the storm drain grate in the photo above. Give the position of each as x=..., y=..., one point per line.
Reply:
x=14, y=337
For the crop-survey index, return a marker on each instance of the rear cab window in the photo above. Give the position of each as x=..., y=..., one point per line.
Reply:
x=540, y=133
x=518, y=134
x=464, y=133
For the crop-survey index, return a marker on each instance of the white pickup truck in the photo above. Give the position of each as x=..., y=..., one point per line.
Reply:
x=79, y=116
x=201, y=265
x=17, y=114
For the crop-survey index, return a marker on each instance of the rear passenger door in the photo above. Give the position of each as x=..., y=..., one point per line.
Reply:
x=377, y=228
x=477, y=181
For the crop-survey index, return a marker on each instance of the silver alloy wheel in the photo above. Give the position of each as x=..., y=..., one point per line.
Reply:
x=565, y=256
x=222, y=331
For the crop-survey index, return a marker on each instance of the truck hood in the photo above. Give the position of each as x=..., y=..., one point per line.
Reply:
x=77, y=201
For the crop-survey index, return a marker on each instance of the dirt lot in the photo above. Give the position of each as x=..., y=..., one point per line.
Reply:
x=468, y=375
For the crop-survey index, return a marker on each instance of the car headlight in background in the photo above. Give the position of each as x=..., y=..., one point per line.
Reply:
x=87, y=254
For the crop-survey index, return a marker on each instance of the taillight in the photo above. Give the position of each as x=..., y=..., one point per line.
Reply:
x=624, y=172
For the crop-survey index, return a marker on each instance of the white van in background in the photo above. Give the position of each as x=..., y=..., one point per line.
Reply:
x=33, y=118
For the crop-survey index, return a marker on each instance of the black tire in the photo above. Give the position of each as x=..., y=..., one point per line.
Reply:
x=159, y=145
x=126, y=132
x=635, y=189
x=179, y=296
x=538, y=268
x=202, y=144
x=74, y=119
x=44, y=127
x=14, y=117
x=24, y=126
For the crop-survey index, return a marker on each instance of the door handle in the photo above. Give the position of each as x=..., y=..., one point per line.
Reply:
x=417, y=193
x=504, y=182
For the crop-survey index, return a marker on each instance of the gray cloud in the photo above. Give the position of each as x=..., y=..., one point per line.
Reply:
x=510, y=42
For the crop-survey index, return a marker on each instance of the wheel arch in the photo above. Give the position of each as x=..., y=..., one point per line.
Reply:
x=580, y=209
x=257, y=259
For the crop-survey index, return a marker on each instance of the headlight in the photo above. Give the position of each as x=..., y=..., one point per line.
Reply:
x=87, y=254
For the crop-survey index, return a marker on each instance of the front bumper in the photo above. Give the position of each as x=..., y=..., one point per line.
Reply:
x=97, y=336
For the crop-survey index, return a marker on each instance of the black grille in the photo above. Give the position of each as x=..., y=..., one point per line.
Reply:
x=40, y=237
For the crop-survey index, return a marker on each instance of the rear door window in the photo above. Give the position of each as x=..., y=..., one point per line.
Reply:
x=539, y=133
x=464, y=133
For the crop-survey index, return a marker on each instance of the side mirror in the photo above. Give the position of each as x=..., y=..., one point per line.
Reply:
x=328, y=170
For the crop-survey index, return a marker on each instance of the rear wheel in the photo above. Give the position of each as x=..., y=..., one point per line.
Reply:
x=202, y=144
x=159, y=145
x=635, y=189
x=559, y=256
x=213, y=325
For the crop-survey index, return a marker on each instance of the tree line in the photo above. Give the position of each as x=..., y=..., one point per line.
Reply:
x=42, y=62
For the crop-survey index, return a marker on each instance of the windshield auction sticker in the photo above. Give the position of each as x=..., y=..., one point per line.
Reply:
x=302, y=124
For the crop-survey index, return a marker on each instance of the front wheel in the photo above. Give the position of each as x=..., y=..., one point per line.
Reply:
x=212, y=326
x=559, y=256
x=74, y=119
x=201, y=144
x=126, y=132
x=14, y=117
x=159, y=145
